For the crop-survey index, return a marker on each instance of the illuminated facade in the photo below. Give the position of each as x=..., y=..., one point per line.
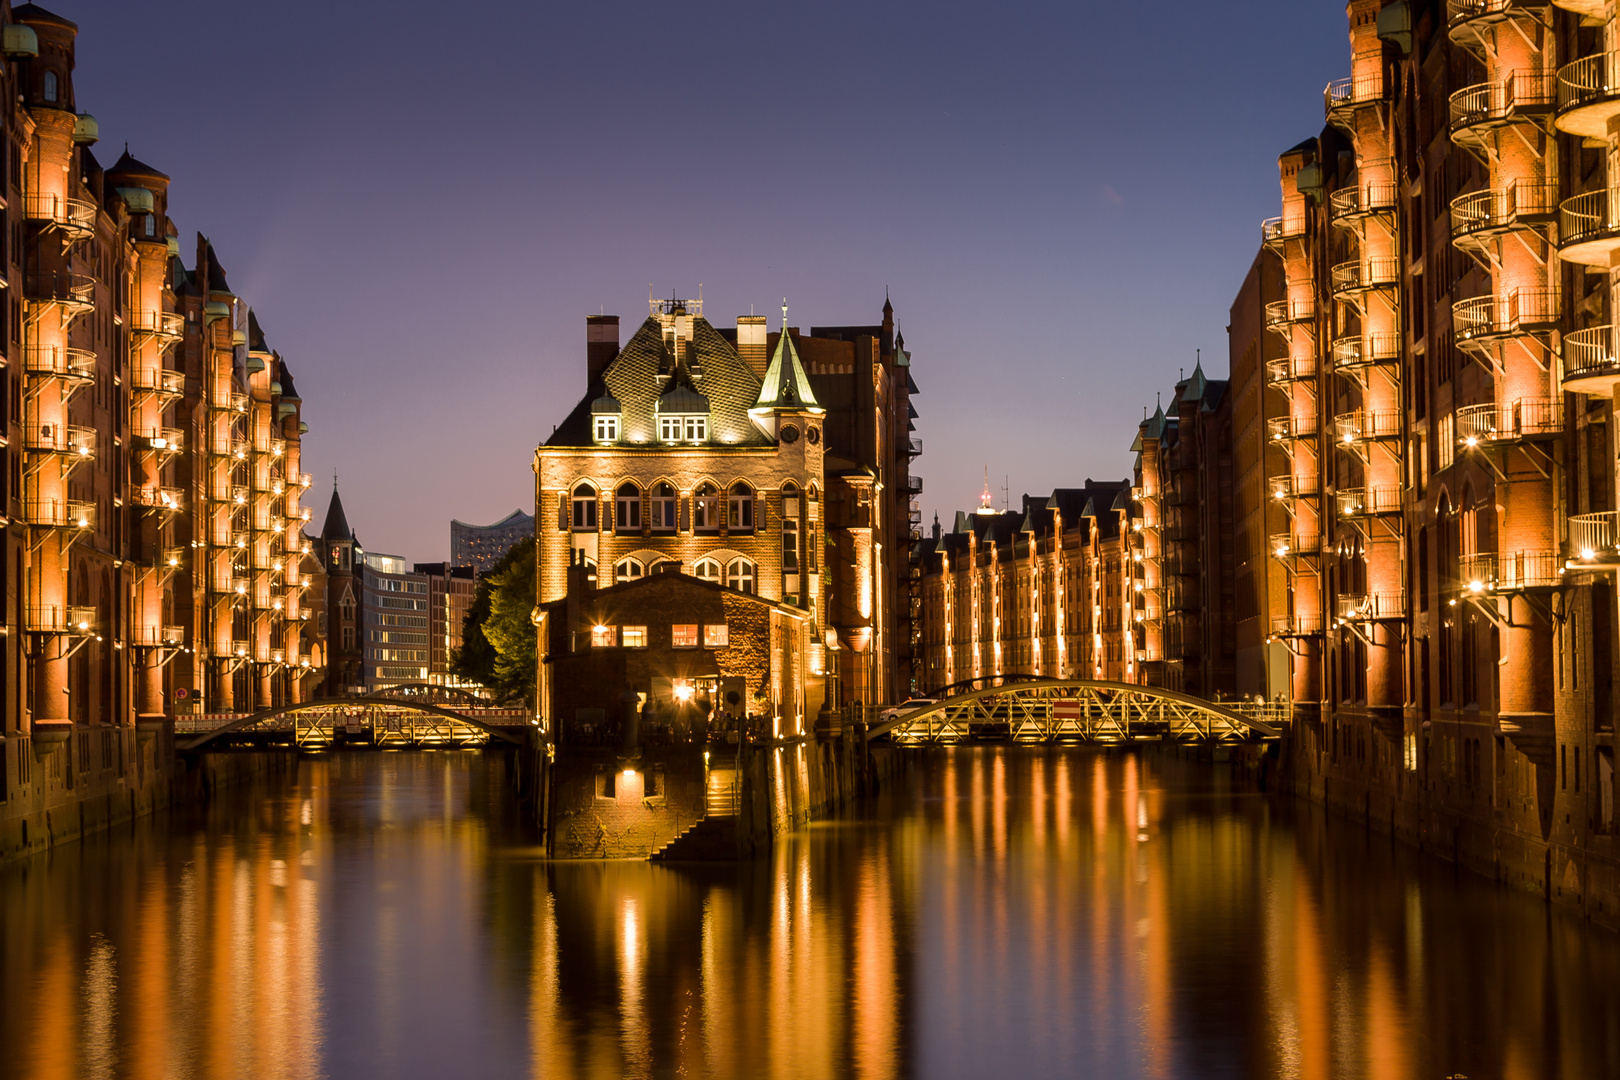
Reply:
x=1428, y=365
x=483, y=546
x=153, y=555
x=776, y=465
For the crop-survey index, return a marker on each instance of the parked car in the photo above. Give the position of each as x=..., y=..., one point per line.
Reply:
x=910, y=705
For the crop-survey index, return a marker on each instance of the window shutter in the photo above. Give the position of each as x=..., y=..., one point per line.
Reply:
x=562, y=512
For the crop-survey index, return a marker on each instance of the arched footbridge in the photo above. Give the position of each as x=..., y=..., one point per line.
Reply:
x=382, y=720
x=1074, y=710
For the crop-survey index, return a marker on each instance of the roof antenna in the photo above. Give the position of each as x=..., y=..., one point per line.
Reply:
x=784, y=314
x=334, y=481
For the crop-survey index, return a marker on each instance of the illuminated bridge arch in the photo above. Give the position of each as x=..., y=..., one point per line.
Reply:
x=1053, y=710
x=379, y=720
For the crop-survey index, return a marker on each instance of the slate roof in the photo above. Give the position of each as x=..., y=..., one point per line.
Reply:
x=289, y=392
x=337, y=524
x=216, y=273
x=133, y=166
x=644, y=370
x=35, y=13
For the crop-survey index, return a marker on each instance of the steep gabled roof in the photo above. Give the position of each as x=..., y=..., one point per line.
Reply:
x=336, y=527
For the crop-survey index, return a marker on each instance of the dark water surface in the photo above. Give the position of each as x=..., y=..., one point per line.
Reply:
x=1004, y=913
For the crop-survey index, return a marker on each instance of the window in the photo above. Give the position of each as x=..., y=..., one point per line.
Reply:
x=683, y=428
x=151, y=224
x=741, y=516
x=584, y=507
x=348, y=637
x=628, y=517
x=740, y=575
x=707, y=570
x=684, y=635
x=663, y=508
x=50, y=86
x=635, y=637
x=628, y=570
x=604, y=637
x=607, y=429
x=714, y=635
x=706, y=508
x=790, y=546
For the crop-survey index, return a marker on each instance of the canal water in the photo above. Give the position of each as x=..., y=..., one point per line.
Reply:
x=997, y=913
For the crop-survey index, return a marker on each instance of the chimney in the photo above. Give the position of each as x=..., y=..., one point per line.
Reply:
x=751, y=343
x=601, y=345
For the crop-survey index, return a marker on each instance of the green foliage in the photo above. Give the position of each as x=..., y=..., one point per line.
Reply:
x=498, y=647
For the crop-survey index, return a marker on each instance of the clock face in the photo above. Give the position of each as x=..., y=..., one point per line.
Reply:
x=790, y=434
x=812, y=435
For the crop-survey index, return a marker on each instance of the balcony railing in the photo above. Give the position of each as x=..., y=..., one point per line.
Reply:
x=1276, y=231
x=60, y=514
x=158, y=498
x=231, y=650
x=1371, y=607
x=304, y=480
x=1486, y=318
x=227, y=400
x=232, y=446
x=1514, y=571
x=1480, y=214
x=55, y=619
x=1591, y=360
x=1296, y=626
x=161, y=440
x=1588, y=95
x=75, y=216
x=1589, y=227
x=54, y=438
x=1362, y=425
x=1365, y=350
x=1343, y=97
x=1461, y=12
x=1593, y=536
x=913, y=447
x=167, y=325
x=1281, y=314
x=58, y=362
x=914, y=485
x=1284, y=428
x=1349, y=204
x=158, y=381
x=1368, y=502
x=75, y=291
x=1285, y=488
x=1288, y=545
x=1359, y=275
x=1525, y=418
x=1288, y=369
x=159, y=636
x=1521, y=95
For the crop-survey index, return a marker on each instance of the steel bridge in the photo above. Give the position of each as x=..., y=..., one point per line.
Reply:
x=378, y=720
x=1075, y=710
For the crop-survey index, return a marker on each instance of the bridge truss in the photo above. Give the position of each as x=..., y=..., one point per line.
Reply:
x=374, y=721
x=1074, y=710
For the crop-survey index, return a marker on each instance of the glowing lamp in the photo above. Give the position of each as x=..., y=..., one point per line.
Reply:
x=1475, y=586
x=1471, y=441
x=683, y=693
x=1586, y=553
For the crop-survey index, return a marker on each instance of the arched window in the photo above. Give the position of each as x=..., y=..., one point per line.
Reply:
x=706, y=508
x=740, y=575
x=707, y=570
x=50, y=86
x=627, y=517
x=584, y=508
x=151, y=224
x=740, y=517
x=628, y=570
x=663, y=508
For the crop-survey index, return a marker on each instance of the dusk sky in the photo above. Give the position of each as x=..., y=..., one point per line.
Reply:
x=423, y=202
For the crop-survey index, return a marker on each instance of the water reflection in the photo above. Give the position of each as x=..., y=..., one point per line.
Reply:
x=999, y=913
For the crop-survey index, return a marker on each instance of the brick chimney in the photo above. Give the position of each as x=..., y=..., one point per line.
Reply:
x=601, y=345
x=751, y=343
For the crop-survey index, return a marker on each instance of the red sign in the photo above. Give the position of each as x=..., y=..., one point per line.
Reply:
x=1066, y=709
x=181, y=692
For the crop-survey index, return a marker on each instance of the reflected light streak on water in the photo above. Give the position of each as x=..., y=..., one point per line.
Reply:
x=385, y=916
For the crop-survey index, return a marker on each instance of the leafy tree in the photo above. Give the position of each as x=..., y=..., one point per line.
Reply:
x=498, y=647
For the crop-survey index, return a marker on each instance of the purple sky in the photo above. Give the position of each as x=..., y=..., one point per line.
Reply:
x=422, y=202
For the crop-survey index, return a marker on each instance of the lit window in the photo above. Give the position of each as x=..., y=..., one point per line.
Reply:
x=628, y=570
x=684, y=635
x=740, y=575
x=50, y=86
x=635, y=637
x=151, y=224
x=607, y=429
x=707, y=570
x=663, y=508
x=628, y=518
x=683, y=428
x=696, y=429
x=741, y=518
x=584, y=507
x=604, y=637
x=706, y=508
x=714, y=635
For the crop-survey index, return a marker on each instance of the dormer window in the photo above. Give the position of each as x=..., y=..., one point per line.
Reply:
x=607, y=429
x=605, y=413
x=683, y=428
